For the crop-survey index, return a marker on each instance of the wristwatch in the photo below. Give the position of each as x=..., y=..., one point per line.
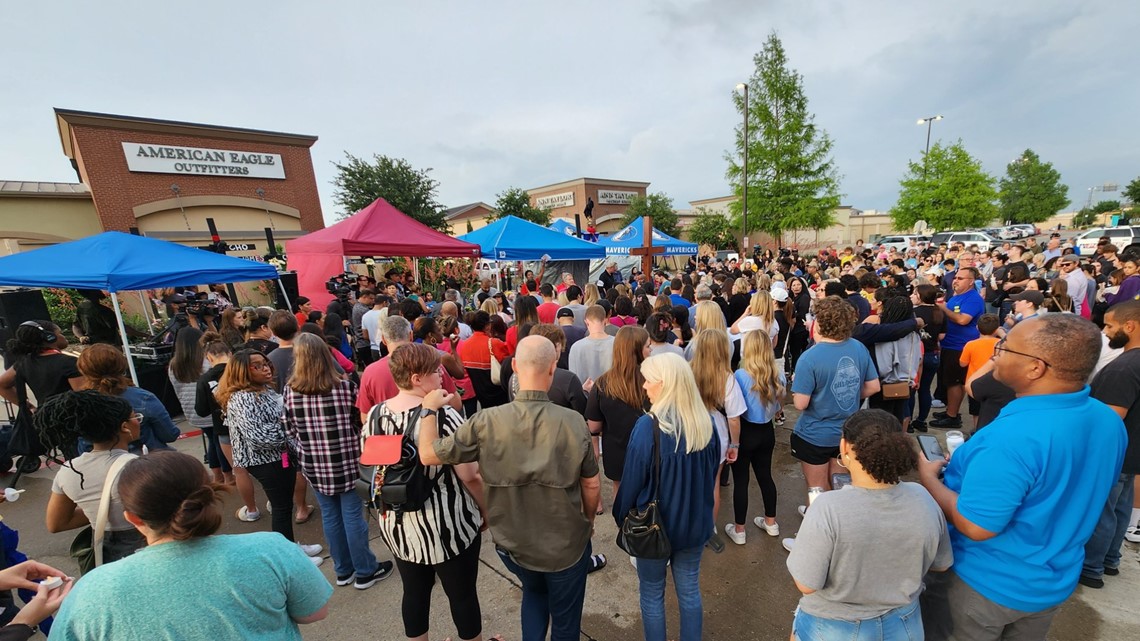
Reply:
x=426, y=412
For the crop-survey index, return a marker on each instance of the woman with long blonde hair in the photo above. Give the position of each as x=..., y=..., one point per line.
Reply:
x=763, y=282
x=722, y=397
x=680, y=429
x=591, y=295
x=761, y=315
x=764, y=387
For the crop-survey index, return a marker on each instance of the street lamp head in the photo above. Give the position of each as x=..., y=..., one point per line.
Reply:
x=921, y=121
x=741, y=87
x=938, y=117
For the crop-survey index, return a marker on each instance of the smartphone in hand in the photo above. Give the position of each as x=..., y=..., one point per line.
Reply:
x=930, y=447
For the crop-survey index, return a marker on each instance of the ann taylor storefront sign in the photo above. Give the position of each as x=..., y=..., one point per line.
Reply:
x=555, y=200
x=166, y=159
x=613, y=197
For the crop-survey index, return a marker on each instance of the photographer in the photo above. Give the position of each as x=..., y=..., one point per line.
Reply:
x=360, y=342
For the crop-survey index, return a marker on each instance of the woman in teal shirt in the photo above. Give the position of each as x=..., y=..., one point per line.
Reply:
x=248, y=586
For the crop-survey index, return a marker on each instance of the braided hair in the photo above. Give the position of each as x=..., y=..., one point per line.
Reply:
x=64, y=418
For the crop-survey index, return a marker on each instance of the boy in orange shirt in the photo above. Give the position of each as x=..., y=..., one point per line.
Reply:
x=978, y=352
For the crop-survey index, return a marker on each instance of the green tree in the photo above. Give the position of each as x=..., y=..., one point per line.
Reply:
x=1105, y=206
x=949, y=190
x=659, y=206
x=792, y=179
x=410, y=190
x=713, y=228
x=1031, y=191
x=516, y=202
x=1132, y=192
x=1085, y=217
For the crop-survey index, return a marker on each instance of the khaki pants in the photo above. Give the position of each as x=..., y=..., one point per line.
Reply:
x=953, y=611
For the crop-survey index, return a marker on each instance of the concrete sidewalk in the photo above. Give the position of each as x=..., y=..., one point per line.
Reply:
x=747, y=591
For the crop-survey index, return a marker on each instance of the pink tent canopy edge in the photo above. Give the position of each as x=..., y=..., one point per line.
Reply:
x=377, y=230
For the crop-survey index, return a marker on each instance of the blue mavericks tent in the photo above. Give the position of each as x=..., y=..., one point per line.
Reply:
x=630, y=236
x=512, y=238
x=115, y=262
x=564, y=226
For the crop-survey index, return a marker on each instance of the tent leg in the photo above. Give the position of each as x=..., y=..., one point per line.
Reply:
x=123, y=335
x=285, y=295
x=146, y=313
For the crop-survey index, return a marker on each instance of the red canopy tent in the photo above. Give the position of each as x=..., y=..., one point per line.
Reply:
x=377, y=230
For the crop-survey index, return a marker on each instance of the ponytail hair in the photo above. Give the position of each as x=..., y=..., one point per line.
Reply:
x=171, y=493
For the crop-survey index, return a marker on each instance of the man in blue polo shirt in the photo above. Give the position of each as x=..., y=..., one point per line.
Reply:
x=962, y=312
x=1023, y=495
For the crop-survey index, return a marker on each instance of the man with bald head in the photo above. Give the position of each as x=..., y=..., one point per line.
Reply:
x=450, y=308
x=541, y=485
x=1023, y=495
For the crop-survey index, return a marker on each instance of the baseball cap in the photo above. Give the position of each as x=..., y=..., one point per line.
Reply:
x=565, y=312
x=1031, y=295
x=779, y=294
x=1068, y=258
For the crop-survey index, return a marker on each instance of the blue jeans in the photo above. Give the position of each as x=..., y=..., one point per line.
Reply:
x=686, y=579
x=929, y=369
x=346, y=531
x=900, y=624
x=1103, y=548
x=551, y=599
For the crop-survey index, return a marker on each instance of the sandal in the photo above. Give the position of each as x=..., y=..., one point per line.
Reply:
x=298, y=520
x=597, y=562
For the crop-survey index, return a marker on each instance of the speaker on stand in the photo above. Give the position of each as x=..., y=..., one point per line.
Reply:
x=289, y=281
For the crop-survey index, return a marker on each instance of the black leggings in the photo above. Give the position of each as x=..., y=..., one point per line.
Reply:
x=278, y=483
x=458, y=577
x=757, y=441
x=797, y=344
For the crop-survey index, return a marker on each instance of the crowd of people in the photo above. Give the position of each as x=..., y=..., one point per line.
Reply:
x=493, y=410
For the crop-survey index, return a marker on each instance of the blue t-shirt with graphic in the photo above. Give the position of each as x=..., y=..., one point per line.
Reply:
x=833, y=375
x=1038, y=476
x=971, y=303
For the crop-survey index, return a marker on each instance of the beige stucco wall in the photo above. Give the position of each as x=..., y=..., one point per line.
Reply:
x=32, y=222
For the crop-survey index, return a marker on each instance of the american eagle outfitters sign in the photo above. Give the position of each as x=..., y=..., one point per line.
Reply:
x=199, y=161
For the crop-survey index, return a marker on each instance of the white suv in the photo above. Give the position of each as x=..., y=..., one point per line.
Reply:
x=1120, y=236
x=984, y=241
x=898, y=243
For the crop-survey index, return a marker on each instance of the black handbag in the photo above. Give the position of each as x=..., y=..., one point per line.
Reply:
x=642, y=533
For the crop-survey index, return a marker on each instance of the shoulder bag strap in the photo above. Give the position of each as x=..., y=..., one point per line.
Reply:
x=105, y=506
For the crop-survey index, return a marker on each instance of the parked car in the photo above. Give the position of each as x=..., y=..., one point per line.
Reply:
x=984, y=241
x=1122, y=237
x=1026, y=229
x=898, y=243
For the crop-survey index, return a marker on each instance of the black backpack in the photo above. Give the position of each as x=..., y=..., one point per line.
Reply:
x=403, y=486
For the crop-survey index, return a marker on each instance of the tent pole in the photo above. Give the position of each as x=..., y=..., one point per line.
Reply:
x=146, y=313
x=284, y=294
x=123, y=335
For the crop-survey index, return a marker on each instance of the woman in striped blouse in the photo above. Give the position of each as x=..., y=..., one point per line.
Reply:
x=442, y=538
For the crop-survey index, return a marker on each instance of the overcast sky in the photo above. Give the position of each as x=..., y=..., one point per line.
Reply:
x=523, y=93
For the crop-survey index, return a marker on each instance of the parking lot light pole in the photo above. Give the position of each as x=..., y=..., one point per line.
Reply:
x=744, y=201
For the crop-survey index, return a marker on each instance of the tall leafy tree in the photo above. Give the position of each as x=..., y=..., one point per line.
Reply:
x=948, y=189
x=515, y=201
x=1132, y=192
x=1031, y=190
x=714, y=229
x=792, y=179
x=659, y=206
x=412, y=191
x=1105, y=206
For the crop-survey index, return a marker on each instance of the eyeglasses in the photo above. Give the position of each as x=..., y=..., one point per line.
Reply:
x=137, y=416
x=1000, y=347
x=261, y=365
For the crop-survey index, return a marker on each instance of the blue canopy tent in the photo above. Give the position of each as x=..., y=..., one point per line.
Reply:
x=114, y=261
x=512, y=238
x=564, y=226
x=630, y=237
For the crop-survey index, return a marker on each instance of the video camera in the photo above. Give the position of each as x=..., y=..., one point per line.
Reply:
x=341, y=284
x=200, y=307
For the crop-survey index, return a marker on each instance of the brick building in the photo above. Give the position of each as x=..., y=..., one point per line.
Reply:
x=165, y=178
x=611, y=199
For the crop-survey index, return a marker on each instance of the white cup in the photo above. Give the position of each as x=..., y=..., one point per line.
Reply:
x=12, y=494
x=954, y=440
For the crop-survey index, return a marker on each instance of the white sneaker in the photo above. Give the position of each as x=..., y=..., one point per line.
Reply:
x=788, y=544
x=937, y=404
x=736, y=537
x=244, y=514
x=311, y=550
x=317, y=560
x=1133, y=534
x=802, y=510
x=772, y=530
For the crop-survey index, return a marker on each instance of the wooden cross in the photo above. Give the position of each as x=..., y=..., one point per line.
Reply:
x=647, y=250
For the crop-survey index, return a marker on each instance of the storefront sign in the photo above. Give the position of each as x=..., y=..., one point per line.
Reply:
x=611, y=197
x=198, y=161
x=557, y=200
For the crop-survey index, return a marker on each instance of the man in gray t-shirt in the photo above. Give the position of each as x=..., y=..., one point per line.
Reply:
x=593, y=355
x=865, y=551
